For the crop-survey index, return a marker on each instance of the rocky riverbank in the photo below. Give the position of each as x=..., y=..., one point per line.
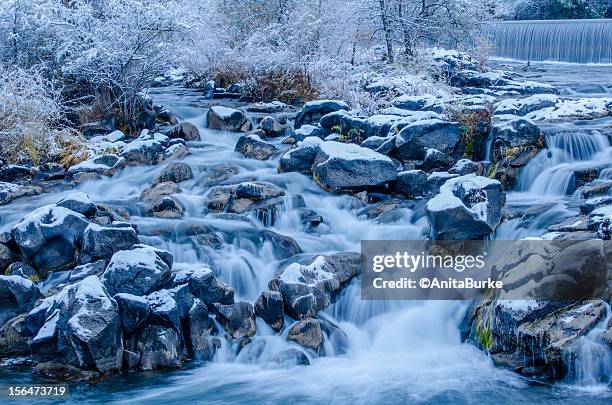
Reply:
x=89, y=288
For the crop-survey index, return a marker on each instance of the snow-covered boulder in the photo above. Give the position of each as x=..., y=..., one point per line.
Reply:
x=80, y=326
x=106, y=165
x=237, y=319
x=112, y=137
x=186, y=131
x=101, y=242
x=10, y=191
x=176, y=151
x=306, y=131
x=17, y=295
x=139, y=271
x=133, y=311
x=143, y=152
x=164, y=310
x=515, y=143
x=273, y=128
x=78, y=202
x=267, y=108
x=167, y=207
x=48, y=237
x=301, y=157
x=468, y=207
x=412, y=183
x=466, y=166
x=227, y=119
x=312, y=111
x=204, y=285
x=346, y=167
x=436, y=160
x=525, y=105
x=413, y=140
x=252, y=146
x=426, y=102
x=309, y=288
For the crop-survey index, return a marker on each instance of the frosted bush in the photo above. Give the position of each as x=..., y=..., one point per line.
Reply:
x=32, y=113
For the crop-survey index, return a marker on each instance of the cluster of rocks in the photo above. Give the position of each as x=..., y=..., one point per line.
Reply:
x=535, y=326
x=107, y=151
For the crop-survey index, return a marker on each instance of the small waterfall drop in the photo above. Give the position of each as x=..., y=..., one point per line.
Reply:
x=576, y=41
x=552, y=172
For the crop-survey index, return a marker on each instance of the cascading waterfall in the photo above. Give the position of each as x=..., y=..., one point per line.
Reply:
x=577, y=41
x=551, y=172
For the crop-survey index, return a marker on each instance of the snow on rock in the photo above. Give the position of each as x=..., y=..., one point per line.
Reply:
x=112, y=137
x=252, y=146
x=227, y=119
x=301, y=157
x=308, y=288
x=344, y=167
x=106, y=165
x=17, y=295
x=139, y=271
x=585, y=108
x=10, y=191
x=526, y=105
x=203, y=284
x=101, y=242
x=80, y=326
x=312, y=111
x=143, y=151
x=426, y=102
x=78, y=202
x=413, y=140
x=48, y=237
x=468, y=207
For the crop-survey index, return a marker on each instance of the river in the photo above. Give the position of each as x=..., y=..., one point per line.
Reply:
x=396, y=352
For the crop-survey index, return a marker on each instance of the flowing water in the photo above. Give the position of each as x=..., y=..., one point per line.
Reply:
x=394, y=352
x=577, y=41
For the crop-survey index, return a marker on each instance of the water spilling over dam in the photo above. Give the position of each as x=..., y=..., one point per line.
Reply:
x=577, y=41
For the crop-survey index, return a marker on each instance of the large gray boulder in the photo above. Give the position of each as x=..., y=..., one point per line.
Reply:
x=238, y=198
x=80, y=325
x=309, y=288
x=204, y=285
x=78, y=202
x=412, y=183
x=347, y=167
x=11, y=191
x=514, y=144
x=269, y=307
x=198, y=332
x=413, y=140
x=106, y=165
x=186, y=131
x=175, y=172
x=17, y=295
x=237, y=319
x=307, y=333
x=159, y=348
x=143, y=152
x=301, y=157
x=227, y=119
x=253, y=147
x=139, y=271
x=312, y=111
x=48, y=237
x=468, y=207
x=101, y=242
x=133, y=311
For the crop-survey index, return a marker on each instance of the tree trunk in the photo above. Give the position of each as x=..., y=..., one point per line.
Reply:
x=387, y=29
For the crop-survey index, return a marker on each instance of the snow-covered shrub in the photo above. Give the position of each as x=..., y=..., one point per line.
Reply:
x=32, y=112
